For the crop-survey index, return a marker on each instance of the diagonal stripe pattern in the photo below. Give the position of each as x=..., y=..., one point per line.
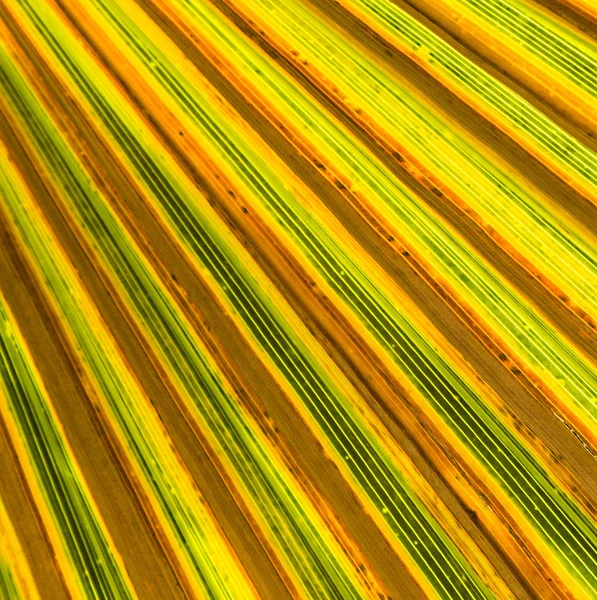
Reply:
x=298, y=299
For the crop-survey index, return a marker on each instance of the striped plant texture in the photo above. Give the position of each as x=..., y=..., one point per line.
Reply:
x=298, y=299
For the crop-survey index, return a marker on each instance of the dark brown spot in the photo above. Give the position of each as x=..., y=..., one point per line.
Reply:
x=473, y=515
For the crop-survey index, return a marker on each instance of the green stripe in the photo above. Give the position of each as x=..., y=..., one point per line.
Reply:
x=547, y=239
x=414, y=527
x=161, y=470
x=514, y=319
x=552, y=513
x=558, y=46
x=463, y=74
x=83, y=536
x=299, y=539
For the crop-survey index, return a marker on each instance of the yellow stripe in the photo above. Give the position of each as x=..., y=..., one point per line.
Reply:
x=29, y=415
x=207, y=556
x=15, y=576
x=441, y=462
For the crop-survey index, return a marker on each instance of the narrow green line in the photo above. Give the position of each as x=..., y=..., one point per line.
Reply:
x=559, y=520
x=476, y=281
x=414, y=527
x=313, y=559
x=8, y=585
x=548, y=239
x=84, y=537
x=192, y=527
x=550, y=42
x=463, y=74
